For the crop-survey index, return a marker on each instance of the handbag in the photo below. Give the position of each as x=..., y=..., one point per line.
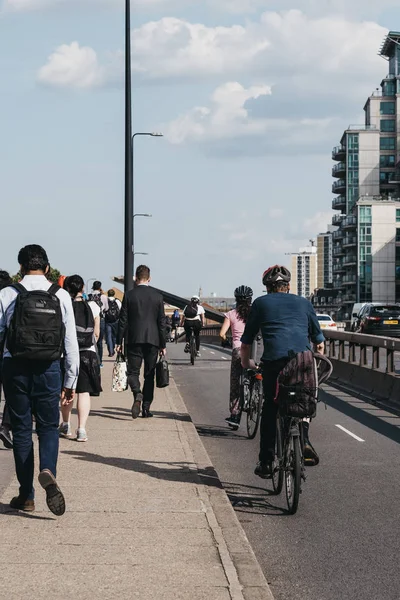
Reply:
x=120, y=375
x=162, y=373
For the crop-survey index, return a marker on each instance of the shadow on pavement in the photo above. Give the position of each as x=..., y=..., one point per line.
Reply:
x=5, y=509
x=373, y=422
x=168, y=471
x=252, y=500
x=218, y=432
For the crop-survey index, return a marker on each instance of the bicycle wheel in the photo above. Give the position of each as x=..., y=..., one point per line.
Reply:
x=293, y=473
x=278, y=474
x=254, y=409
x=192, y=349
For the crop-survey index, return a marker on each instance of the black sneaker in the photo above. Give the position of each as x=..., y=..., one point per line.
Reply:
x=233, y=422
x=5, y=437
x=264, y=470
x=136, y=406
x=311, y=458
x=187, y=348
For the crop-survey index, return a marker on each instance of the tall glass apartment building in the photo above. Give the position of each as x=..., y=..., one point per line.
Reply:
x=366, y=173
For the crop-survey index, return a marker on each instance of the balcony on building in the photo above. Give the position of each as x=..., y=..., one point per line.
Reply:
x=337, y=219
x=350, y=279
x=349, y=298
x=350, y=260
x=337, y=284
x=338, y=187
x=339, y=152
x=338, y=267
x=338, y=251
x=337, y=235
x=349, y=222
x=349, y=240
x=339, y=170
x=339, y=203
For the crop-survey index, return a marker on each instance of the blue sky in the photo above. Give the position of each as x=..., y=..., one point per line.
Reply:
x=250, y=94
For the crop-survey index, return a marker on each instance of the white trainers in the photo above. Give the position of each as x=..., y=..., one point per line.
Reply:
x=81, y=435
x=65, y=430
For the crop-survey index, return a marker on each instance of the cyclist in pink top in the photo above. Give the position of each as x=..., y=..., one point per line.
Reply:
x=236, y=320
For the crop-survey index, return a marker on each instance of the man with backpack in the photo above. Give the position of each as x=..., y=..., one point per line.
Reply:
x=111, y=320
x=101, y=300
x=288, y=324
x=38, y=325
x=193, y=320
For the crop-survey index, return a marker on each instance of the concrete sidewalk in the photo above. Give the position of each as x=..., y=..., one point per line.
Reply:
x=146, y=516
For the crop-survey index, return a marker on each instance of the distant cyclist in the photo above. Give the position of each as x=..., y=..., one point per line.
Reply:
x=193, y=320
x=287, y=324
x=175, y=320
x=235, y=320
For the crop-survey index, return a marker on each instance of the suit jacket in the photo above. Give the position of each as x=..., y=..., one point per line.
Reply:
x=142, y=316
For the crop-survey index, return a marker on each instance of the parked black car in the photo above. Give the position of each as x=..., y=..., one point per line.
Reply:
x=379, y=319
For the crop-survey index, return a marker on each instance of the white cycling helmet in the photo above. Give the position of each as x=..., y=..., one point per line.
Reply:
x=195, y=299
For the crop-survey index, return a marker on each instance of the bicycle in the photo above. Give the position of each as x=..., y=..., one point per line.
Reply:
x=192, y=347
x=251, y=399
x=289, y=467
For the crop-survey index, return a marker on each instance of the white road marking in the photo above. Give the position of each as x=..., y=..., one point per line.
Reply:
x=223, y=358
x=211, y=352
x=349, y=433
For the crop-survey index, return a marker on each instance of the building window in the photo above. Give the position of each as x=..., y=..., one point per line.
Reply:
x=352, y=138
x=388, y=143
x=388, y=88
x=388, y=125
x=398, y=234
x=388, y=108
x=397, y=215
x=387, y=160
x=387, y=177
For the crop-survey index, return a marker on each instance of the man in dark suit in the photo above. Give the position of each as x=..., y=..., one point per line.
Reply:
x=142, y=321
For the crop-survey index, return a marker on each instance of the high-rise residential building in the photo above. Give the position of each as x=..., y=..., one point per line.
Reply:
x=304, y=272
x=325, y=258
x=367, y=184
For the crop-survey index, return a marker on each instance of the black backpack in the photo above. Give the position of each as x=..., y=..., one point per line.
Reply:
x=191, y=311
x=84, y=321
x=36, y=330
x=112, y=315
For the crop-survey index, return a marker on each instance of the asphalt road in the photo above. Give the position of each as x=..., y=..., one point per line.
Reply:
x=344, y=541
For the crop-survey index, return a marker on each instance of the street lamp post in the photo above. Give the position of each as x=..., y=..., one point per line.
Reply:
x=141, y=133
x=128, y=245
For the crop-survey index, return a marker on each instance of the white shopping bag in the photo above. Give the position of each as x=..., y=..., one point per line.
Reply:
x=120, y=376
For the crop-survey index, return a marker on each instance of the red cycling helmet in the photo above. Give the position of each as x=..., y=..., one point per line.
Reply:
x=275, y=274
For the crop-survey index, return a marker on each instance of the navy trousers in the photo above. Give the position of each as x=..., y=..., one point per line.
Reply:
x=33, y=388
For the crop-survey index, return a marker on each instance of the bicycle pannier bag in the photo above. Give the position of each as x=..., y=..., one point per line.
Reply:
x=297, y=391
x=36, y=330
x=162, y=373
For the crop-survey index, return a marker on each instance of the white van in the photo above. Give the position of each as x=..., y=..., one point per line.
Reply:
x=354, y=314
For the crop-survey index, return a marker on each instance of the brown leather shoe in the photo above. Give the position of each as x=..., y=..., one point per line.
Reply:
x=18, y=503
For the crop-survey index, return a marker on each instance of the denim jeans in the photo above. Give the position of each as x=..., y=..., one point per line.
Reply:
x=111, y=336
x=33, y=388
x=101, y=338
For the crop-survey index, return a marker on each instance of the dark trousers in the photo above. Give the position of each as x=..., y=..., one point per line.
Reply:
x=137, y=354
x=270, y=371
x=111, y=336
x=5, y=421
x=197, y=327
x=33, y=388
x=101, y=338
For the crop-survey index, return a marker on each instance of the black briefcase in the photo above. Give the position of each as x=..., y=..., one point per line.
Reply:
x=162, y=373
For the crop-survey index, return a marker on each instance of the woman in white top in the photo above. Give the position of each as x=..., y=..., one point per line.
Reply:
x=236, y=321
x=87, y=318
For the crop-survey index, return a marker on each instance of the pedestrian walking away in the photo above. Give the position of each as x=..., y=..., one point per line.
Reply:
x=111, y=320
x=5, y=427
x=37, y=321
x=87, y=319
x=142, y=320
x=98, y=296
x=236, y=320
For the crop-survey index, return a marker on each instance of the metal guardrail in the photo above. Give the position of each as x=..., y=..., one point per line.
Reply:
x=343, y=346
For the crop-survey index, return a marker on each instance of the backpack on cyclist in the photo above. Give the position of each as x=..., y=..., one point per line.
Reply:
x=36, y=331
x=297, y=389
x=84, y=322
x=191, y=311
x=112, y=315
x=97, y=299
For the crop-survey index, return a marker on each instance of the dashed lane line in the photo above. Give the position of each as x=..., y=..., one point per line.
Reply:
x=350, y=433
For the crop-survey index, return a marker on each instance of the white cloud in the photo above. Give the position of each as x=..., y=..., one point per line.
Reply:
x=72, y=66
x=228, y=118
x=317, y=223
x=276, y=213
